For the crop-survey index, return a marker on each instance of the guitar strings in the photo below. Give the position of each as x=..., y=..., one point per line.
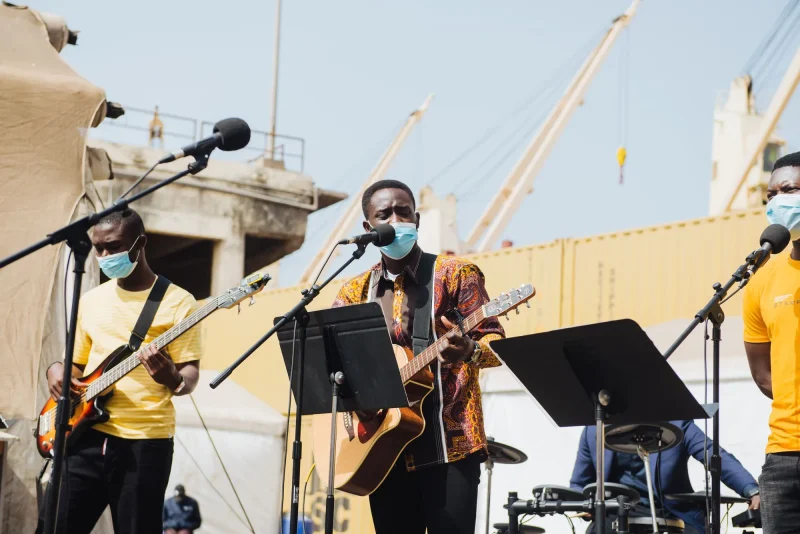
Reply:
x=212, y=305
x=415, y=365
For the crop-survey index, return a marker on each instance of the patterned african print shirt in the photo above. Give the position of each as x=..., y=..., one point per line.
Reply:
x=453, y=414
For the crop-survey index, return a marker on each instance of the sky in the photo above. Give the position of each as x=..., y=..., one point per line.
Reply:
x=351, y=72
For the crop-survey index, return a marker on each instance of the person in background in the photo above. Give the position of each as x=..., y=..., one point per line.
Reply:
x=181, y=513
x=673, y=476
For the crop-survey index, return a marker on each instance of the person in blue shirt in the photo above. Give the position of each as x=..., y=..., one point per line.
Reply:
x=181, y=513
x=629, y=469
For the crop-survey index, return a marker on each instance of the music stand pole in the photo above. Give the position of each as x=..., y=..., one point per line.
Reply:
x=603, y=399
x=337, y=379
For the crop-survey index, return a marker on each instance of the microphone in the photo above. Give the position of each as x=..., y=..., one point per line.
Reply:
x=381, y=235
x=773, y=240
x=229, y=134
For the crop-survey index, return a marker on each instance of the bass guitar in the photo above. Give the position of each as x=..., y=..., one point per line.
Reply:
x=366, y=450
x=88, y=403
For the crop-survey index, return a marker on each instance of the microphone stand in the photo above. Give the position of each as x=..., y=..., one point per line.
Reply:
x=712, y=312
x=299, y=314
x=77, y=238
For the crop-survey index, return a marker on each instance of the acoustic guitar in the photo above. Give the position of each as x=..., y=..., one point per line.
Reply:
x=88, y=403
x=366, y=450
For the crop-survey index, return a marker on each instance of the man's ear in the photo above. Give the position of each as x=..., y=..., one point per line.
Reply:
x=367, y=226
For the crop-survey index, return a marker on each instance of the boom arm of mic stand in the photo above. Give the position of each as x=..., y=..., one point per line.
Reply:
x=712, y=308
x=308, y=296
x=82, y=225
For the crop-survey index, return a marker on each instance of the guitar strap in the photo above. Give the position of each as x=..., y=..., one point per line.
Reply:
x=421, y=332
x=149, y=310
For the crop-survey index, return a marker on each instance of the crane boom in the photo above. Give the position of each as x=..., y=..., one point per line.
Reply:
x=343, y=226
x=782, y=96
x=518, y=184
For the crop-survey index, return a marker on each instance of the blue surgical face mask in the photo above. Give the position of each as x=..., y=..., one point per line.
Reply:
x=119, y=265
x=785, y=210
x=405, y=235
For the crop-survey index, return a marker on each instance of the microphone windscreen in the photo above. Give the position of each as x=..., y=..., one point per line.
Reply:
x=385, y=234
x=235, y=133
x=776, y=235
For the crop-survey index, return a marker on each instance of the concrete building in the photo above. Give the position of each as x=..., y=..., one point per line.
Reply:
x=207, y=231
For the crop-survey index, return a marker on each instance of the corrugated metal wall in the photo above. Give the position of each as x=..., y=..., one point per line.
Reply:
x=651, y=275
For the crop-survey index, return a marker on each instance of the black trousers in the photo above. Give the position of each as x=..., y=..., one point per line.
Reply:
x=441, y=498
x=129, y=475
x=780, y=493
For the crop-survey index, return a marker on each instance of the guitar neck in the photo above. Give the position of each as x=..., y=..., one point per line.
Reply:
x=130, y=363
x=430, y=354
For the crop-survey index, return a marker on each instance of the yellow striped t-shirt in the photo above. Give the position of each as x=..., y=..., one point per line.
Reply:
x=140, y=408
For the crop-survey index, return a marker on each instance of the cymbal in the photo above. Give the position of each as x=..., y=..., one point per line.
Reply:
x=652, y=437
x=523, y=529
x=700, y=496
x=500, y=453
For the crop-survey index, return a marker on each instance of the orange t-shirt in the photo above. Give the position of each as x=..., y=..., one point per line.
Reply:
x=771, y=313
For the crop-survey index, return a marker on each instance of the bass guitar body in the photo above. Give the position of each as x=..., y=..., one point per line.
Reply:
x=84, y=413
x=367, y=448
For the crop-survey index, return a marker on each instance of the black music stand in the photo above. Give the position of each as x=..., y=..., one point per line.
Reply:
x=348, y=365
x=604, y=373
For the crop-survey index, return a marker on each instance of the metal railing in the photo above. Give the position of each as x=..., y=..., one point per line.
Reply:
x=178, y=130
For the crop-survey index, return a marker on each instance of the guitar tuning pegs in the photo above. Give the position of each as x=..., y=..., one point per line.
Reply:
x=252, y=300
x=506, y=316
x=517, y=310
x=238, y=308
x=528, y=304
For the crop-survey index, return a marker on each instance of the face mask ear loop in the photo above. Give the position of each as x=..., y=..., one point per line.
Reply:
x=139, y=253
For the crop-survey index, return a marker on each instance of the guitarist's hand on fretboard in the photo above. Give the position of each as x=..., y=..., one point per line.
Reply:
x=458, y=348
x=160, y=367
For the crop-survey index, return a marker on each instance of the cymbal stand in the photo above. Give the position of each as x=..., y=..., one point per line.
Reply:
x=489, y=463
x=645, y=456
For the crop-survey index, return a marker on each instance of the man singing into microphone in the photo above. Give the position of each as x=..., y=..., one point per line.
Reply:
x=434, y=483
x=771, y=313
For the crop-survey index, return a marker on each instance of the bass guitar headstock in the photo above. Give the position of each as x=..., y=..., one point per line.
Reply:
x=248, y=287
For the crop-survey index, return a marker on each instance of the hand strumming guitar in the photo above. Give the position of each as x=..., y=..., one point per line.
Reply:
x=55, y=376
x=457, y=348
x=160, y=367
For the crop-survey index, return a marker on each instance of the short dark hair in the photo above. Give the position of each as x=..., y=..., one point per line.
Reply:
x=384, y=184
x=129, y=219
x=789, y=160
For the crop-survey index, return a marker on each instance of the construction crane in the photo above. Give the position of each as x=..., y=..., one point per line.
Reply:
x=343, y=226
x=489, y=227
x=782, y=96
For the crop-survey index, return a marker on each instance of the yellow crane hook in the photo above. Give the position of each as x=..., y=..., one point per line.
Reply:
x=621, y=155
